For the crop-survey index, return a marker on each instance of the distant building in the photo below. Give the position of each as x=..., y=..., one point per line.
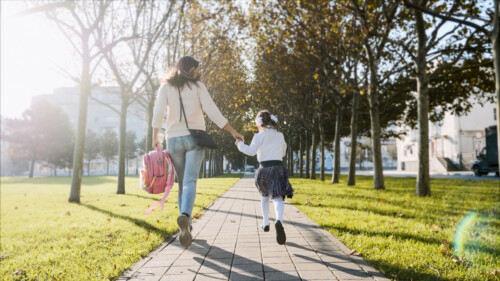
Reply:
x=99, y=118
x=453, y=143
x=364, y=156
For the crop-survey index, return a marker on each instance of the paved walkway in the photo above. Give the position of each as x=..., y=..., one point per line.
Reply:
x=230, y=245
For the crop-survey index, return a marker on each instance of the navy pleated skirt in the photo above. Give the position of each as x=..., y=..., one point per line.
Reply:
x=273, y=181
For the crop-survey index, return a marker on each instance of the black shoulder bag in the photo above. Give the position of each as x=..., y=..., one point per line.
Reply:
x=202, y=138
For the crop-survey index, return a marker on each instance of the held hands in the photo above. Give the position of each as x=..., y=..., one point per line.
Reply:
x=238, y=136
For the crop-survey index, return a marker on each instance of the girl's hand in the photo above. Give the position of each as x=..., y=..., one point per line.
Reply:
x=237, y=141
x=238, y=136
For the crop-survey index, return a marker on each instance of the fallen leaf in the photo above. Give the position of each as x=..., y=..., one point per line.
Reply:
x=60, y=277
x=109, y=235
x=391, y=222
x=74, y=228
x=354, y=253
x=69, y=238
x=15, y=208
x=108, y=219
x=196, y=216
x=381, y=200
x=319, y=205
x=68, y=213
x=123, y=205
x=114, y=266
x=87, y=267
x=495, y=272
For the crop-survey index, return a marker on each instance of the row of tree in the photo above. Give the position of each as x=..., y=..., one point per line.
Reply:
x=334, y=69
x=328, y=69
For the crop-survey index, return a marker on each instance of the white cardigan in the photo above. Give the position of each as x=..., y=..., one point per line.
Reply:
x=196, y=100
x=268, y=144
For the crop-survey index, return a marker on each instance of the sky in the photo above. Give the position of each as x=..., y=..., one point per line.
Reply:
x=31, y=53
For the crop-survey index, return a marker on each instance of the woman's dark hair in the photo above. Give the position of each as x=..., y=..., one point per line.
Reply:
x=266, y=119
x=182, y=73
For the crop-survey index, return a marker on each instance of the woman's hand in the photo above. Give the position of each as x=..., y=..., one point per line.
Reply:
x=238, y=136
x=157, y=143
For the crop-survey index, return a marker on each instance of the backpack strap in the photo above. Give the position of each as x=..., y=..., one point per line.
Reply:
x=182, y=109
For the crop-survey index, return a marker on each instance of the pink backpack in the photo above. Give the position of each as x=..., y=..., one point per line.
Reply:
x=157, y=176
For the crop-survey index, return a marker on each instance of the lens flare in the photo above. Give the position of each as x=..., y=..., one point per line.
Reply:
x=476, y=238
x=462, y=232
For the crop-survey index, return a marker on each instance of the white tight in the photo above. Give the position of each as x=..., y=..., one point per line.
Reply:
x=278, y=208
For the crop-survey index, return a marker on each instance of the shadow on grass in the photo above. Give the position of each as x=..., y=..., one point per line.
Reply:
x=141, y=196
x=404, y=236
x=92, y=180
x=404, y=273
x=141, y=223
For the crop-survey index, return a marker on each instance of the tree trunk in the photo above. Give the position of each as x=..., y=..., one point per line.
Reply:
x=308, y=150
x=378, y=176
x=423, y=182
x=313, y=160
x=88, y=168
x=149, y=136
x=496, y=62
x=126, y=165
x=210, y=166
x=205, y=165
x=76, y=180
x=322, y=143
x=55, y=171
x=351, y=180
x=121, y=146
x=32, y=167
x=301, y=156
x=107, y=167
x=336, y=153
x=290, y=157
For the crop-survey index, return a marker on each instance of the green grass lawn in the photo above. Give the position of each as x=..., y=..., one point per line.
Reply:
x=407, y=237
x=43, y=237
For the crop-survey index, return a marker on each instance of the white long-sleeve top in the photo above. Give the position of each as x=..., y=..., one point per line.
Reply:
x=268, y=144
x=196, y=100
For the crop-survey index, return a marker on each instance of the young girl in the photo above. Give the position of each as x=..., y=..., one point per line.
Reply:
x=271, y=178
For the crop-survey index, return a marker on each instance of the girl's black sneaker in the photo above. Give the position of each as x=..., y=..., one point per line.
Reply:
x=266, y=228
x=280, y=233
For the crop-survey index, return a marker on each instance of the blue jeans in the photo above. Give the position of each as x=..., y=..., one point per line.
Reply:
x=187, y=157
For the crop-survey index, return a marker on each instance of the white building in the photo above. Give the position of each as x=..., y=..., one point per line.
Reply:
x=453, y=143
x=99, y=118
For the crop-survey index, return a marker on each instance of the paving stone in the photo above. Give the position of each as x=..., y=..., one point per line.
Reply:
x=281, y=275
x=317, y=275
x=352, y=275
x=179, y=277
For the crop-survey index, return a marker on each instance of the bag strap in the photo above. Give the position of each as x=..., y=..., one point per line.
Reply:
x=182, y=109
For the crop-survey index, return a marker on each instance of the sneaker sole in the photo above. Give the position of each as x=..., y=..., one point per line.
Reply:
x=185, y=236
x=280, y=234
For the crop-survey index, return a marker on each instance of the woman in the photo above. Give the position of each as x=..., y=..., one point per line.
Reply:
x=183, y=81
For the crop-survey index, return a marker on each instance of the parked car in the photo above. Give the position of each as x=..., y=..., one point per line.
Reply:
x=487, y=160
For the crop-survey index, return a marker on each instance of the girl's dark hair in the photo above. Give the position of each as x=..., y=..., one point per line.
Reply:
x=182, y=73
x=266, y=119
